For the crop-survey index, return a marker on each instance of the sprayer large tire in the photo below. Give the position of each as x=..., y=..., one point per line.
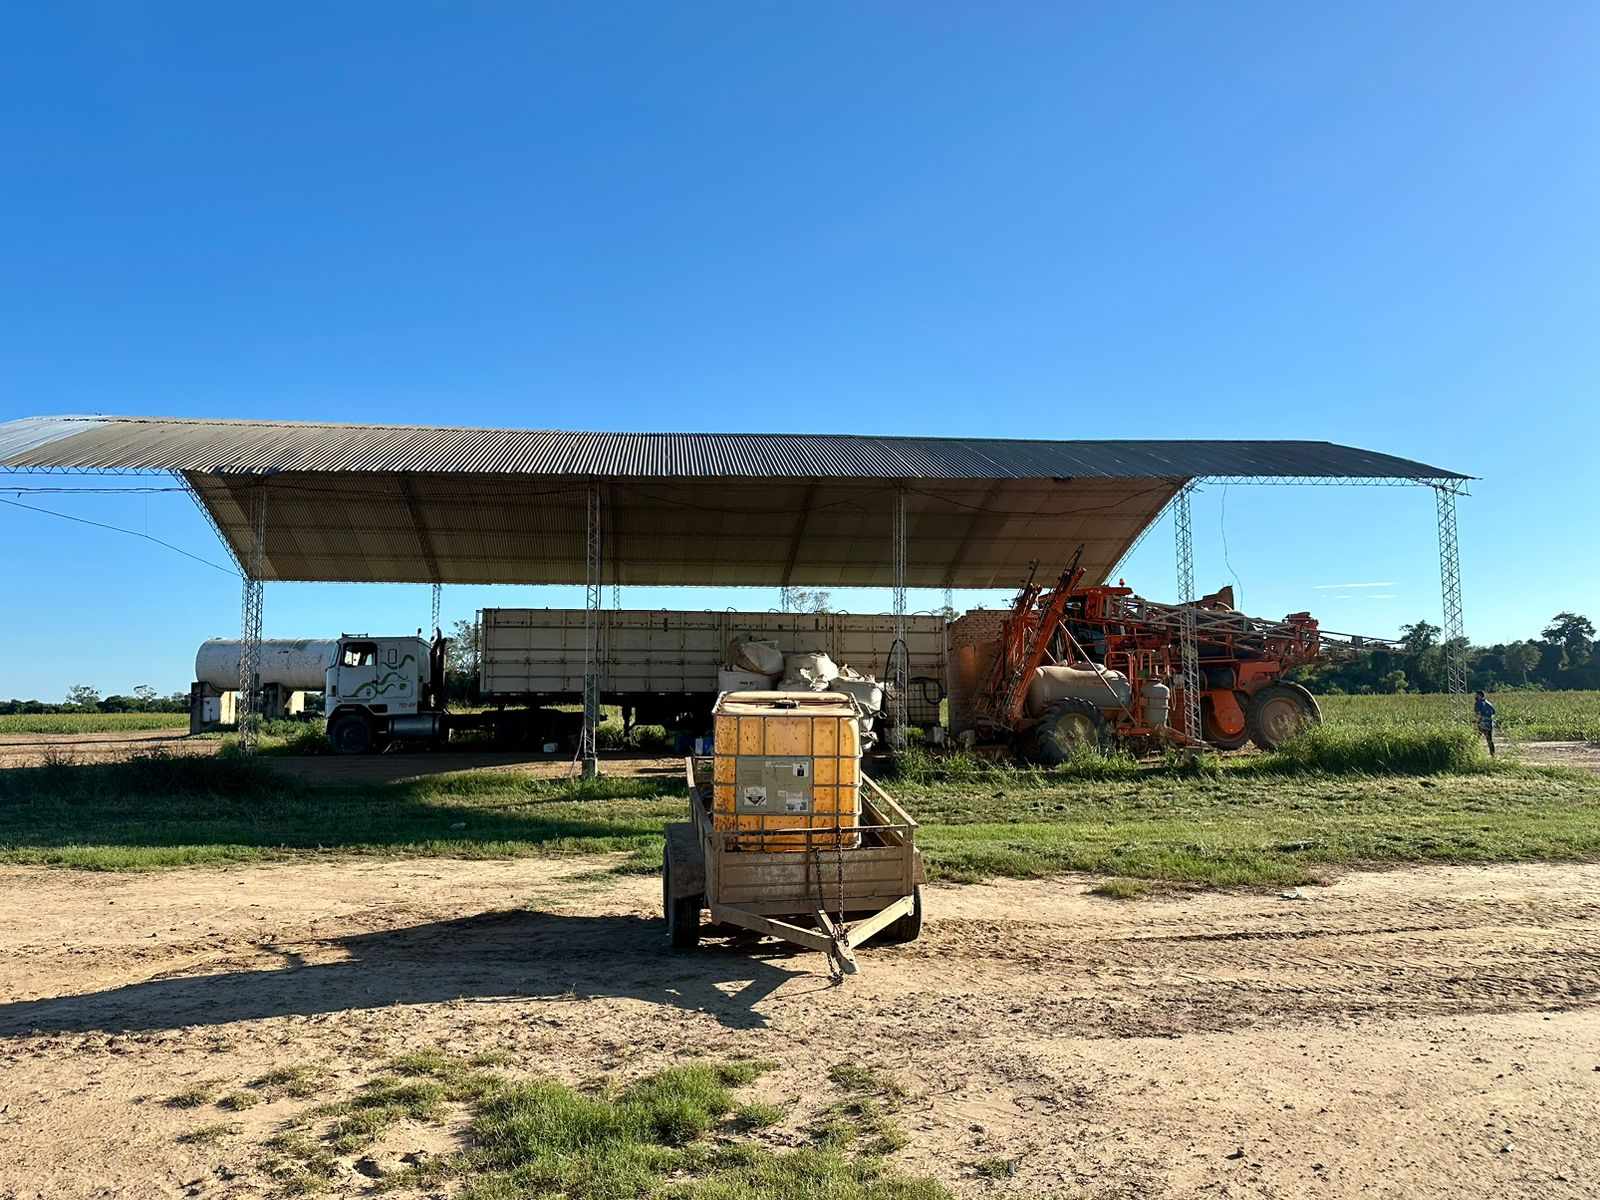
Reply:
x=1066, y=727
x=909, y=927
x=1279, y=711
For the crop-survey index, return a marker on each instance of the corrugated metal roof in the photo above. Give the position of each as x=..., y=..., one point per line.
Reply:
x=257, y=447
x=387, y=503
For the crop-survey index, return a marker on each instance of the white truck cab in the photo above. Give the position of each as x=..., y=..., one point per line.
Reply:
x=380, y=689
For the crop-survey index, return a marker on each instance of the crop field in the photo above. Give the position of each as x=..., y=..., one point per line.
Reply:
x=89, y=722
x=1533, y=716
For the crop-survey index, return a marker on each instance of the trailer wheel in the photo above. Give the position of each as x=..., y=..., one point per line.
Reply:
x=909, y=927
x=1066, y=727
x=682, y=912
x=1279, y=711
x=350, y=735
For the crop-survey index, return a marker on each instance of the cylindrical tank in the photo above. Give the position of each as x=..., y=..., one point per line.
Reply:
x=1102, y=688
x=1157, y=703
x=299, y=664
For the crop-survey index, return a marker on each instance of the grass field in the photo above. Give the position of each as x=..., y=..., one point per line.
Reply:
x=1265, y=819
x=89, y=722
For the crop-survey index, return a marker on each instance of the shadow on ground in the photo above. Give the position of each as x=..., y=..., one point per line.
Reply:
x=493, y=957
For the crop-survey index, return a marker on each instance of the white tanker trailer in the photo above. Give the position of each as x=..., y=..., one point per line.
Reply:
x=298, y=664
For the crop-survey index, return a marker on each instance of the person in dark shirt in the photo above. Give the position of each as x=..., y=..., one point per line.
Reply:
x=1485, y=712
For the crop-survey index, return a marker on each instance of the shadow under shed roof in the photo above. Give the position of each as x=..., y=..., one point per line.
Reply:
x=422, y=504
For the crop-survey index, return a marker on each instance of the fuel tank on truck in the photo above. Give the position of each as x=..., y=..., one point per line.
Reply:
x=297, y=664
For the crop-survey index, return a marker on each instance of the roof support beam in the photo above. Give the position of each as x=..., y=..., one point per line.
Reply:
x=967, y=534
x=797, y=539
x=419, y=524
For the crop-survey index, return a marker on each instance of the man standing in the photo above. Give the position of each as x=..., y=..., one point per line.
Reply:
x=1485, y=712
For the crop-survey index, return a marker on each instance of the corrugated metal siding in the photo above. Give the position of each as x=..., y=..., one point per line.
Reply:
x=254, y=447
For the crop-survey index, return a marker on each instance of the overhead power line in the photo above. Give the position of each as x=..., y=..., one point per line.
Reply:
x=49, y=512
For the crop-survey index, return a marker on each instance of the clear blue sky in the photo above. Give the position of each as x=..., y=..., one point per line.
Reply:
x=1372, y=223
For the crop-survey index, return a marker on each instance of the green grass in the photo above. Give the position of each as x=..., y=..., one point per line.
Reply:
x=240, y=1100
x=1344, y=795
x=90, y=722
x=158, y=811
x=1522, y=715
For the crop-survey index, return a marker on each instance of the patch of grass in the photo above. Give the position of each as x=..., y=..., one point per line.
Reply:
x=647, y=1139
x=208, y=1134
x=750, y=1117
x=1397, y=750
x=492, y=1058
x=299, y=1081
x=195, y=1094
x=299, y=1163
x=740, y=1072
x=996, y=1168
x=864, y=1080
x=384, y=1102
x=240, y=1100
x=1120, y=889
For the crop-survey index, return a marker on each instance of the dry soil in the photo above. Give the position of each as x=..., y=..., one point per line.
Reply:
x=1419, y=1033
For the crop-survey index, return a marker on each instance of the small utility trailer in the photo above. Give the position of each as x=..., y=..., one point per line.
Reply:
x=826, y=896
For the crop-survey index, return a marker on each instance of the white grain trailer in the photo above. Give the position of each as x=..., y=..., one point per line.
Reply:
x=663, y=665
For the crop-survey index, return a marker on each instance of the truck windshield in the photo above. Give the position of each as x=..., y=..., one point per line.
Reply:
x=358, y=654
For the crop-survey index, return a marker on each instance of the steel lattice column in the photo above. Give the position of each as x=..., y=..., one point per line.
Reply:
x=251, y=598
x=898, y=654
x=1455, y=632
x=594, y=595
x=433, y=623
x=1189, y=651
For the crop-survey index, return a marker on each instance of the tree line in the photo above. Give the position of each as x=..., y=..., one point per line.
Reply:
x=1564, y=657
x=81, y=698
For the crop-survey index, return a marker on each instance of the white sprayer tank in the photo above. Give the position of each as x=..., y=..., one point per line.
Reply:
x=1101, y=688
x=299, y=664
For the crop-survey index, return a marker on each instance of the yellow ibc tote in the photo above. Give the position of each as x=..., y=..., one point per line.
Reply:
x=785, y=762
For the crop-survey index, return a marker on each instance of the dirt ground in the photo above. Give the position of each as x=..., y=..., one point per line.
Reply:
x=1419, y=1033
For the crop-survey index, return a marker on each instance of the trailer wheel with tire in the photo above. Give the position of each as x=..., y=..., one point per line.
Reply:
x=830, y=899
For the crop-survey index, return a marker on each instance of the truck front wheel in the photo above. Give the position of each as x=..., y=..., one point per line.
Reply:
x=350, y=735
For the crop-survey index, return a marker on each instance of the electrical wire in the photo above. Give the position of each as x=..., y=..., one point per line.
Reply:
x=118, y=529
x=1222, y=523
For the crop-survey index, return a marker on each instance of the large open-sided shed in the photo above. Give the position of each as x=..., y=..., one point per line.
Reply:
x=296, y=500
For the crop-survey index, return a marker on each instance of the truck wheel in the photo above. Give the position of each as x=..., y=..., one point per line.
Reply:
x=682, y=913
x=1067, y=727
x=350, y=735
x=1279, y=711
x=909, y=927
